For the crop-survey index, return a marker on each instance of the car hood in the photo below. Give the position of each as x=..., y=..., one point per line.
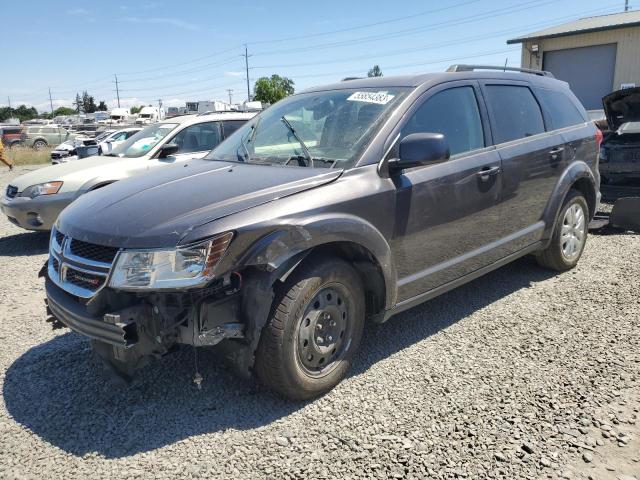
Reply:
x=72, y=174
x=158, y=209
x=621, y=107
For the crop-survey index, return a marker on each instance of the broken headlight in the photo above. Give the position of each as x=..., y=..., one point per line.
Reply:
x=181, y=267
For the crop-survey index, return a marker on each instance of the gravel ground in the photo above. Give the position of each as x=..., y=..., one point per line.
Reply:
x=520, y=374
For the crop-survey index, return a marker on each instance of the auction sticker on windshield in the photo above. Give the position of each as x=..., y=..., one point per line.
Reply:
x=381, y=98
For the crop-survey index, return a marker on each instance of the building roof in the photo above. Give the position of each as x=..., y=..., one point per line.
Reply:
x=585, y=25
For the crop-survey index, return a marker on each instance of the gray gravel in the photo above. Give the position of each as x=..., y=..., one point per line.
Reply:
x=517, y=375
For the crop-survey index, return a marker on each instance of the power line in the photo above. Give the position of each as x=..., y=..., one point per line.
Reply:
x=529, y=4
x=360, y=27
x=183, y=63
x=424, y=47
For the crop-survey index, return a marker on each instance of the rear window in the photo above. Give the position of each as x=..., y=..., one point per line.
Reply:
x=515, y=113
x=560, y=108
x=33, y=130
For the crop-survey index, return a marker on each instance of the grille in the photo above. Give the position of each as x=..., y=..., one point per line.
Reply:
x=59, y=238
x=56, y=265
x=11, y=191
x=91, y=251
x=84, y=280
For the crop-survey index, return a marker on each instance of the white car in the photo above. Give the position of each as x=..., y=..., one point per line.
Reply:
x=34, y=200
x=103, y=144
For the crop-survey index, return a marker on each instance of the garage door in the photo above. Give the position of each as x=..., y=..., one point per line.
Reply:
x=589, y=71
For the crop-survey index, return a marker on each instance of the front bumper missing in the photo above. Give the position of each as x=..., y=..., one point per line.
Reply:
x=109, y=329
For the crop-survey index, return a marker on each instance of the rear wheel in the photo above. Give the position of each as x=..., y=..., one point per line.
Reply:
x=39, y=144
x=314, y=330
x=569, y=236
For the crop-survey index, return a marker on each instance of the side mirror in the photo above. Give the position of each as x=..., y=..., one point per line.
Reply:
x=168, y=149
x=419, y=149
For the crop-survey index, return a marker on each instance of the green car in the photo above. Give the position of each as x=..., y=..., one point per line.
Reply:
x=40, y=136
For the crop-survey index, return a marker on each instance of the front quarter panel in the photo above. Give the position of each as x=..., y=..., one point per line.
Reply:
x=357, y=208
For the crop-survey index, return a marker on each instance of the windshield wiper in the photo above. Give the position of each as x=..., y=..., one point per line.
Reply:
x=302, y=144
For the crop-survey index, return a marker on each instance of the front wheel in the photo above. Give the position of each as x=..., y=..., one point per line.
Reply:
x=314, y=330
x=569, y=235
x=39, y=144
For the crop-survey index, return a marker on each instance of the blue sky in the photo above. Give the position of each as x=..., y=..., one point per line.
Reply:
x=191, y=50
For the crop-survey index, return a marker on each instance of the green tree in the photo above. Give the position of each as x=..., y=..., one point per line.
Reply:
x=78, y=103
x=63, y=111
x=375, y=72
x=135, y=110
x=102, y=107
x=271, y=89
x=88, y=103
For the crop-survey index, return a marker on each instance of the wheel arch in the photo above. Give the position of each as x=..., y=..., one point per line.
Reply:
x=577, y=176
x=345, y=236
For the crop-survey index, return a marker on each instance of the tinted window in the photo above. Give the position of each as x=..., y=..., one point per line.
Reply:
x=515, y=112
x=561, y=109
x=231, y=126
x=455, y=114
x=198, y=138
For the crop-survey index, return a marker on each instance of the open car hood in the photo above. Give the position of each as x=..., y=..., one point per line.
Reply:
x=622, y=106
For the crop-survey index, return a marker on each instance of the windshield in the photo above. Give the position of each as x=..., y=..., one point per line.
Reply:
x=143, y=141
x=323, y=129
x=145, y=115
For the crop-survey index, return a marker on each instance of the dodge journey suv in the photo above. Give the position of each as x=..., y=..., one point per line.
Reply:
x=343, y=203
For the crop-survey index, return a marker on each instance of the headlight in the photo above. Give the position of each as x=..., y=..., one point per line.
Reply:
x=48, y=188
x=182, y=267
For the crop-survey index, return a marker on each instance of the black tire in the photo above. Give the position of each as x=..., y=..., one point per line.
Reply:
x=554, y=256
x=314, y=329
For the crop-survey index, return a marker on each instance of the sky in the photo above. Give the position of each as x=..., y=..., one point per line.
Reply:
x=192, y=50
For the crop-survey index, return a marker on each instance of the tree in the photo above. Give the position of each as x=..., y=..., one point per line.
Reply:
x=102, y=107
x=78, y=103
x=375, y=72
x=88, y=103
x=270, y=90
x=24, y=113
x=63, y=111
x=135, y=110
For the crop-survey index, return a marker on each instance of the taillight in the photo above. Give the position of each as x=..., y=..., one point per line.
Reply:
x=599, y=137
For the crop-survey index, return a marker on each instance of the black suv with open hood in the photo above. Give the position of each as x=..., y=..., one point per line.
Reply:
x=351, y=201
x=620, y=151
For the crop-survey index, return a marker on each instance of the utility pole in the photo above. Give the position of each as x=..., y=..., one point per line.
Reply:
x=246, y=63
x=159, y=107
x=230, y=91
x=50, y=102
x=626, y=5
x=117, y=90
x=9, y=100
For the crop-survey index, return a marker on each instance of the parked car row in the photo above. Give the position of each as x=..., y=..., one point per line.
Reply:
x=343, y=203
x=82, y=147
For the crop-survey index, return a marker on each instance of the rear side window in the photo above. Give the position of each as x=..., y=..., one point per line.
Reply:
x=231, y=126
x=515, y=112
x=560, y=108
x=198, y=138
x=455, y=114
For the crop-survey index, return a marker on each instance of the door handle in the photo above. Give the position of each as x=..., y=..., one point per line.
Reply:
x=487, y=172
x=556, y=153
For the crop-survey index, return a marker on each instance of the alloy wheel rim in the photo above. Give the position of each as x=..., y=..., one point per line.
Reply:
x=574, y=232
x=323, y=333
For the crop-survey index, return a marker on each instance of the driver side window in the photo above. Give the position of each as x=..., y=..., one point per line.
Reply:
x=455, y=114
x=198, y=138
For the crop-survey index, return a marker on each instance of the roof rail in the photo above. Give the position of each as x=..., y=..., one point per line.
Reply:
x=471, y=68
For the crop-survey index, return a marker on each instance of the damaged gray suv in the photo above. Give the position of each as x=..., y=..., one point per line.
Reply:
x=343, y=203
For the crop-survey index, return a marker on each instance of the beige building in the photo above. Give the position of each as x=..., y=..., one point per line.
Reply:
x=596, y=55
